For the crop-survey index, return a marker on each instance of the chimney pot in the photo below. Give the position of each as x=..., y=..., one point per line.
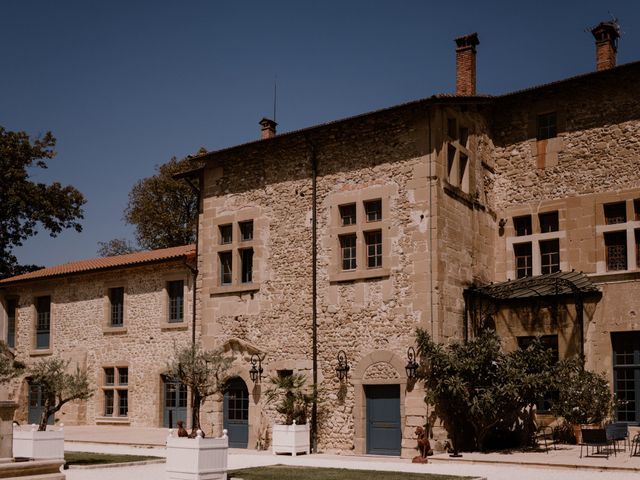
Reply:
x=466, y=64
x=606, y=35
x=268, y=129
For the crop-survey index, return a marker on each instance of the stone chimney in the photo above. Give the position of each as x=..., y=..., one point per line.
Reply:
x=466, y=64
x=606, y=35
x=268, y=129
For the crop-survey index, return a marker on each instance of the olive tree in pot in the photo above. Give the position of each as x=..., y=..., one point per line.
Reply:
x=59, y=387
x=292, y=401
x=195, y=457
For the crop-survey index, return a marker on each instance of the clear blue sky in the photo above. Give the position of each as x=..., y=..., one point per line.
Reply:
x=126, y=85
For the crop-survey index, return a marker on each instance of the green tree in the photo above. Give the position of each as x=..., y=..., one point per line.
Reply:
x=478, y=390
x=9, y=367
x=163, y=209
x=203, y=372
x=24, y=204
x=117, y=246
x=58, y=386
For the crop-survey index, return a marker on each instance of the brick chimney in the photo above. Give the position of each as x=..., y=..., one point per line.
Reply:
x=606, y=35
x=466, y=64
x=268, y=129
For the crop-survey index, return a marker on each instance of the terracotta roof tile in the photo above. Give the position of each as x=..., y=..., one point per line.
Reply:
x=102, y=263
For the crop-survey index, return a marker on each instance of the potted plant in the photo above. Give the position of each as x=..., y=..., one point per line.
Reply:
x=196, y=457
x=292, y=401
x=58, y=388
x=584, y=397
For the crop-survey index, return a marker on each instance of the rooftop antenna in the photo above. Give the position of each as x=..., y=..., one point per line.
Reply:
x=275, y=95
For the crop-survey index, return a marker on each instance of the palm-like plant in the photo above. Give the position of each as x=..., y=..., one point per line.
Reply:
x=290, y=396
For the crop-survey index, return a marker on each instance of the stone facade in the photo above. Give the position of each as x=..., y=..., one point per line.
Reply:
x=80, y=331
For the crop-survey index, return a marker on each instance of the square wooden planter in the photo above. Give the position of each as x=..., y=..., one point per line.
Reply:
x=38, y=445
x=197, y=458
x=291, y=439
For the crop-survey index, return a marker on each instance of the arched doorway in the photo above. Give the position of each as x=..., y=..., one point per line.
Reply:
x=174, y=402
x=236, y=413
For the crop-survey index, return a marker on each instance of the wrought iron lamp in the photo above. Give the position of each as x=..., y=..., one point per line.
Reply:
x=256, y=368
x=412, y=365
x=343, y=366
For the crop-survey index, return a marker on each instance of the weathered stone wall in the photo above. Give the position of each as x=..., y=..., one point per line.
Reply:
x=79, y=333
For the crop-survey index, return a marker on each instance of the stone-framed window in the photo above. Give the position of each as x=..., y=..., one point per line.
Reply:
x=235, y=252
x=616, y=250
x=116, y=307
x=459, y=153
x=547, y=126
x=11, y=309
x=523, y=259
x=549, y=222
x=637, y=235
x=115, y=391
x=636, y=209
x=175, y=294
x=43, y=322
x=626, y=374
x=549, y=256
x=359, y=233
x=522, y=225
x=615, y=213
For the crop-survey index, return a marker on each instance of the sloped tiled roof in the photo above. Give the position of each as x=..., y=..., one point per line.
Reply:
x=83, y=266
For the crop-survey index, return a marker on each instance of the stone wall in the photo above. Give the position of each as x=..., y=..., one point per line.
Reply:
x=79, y=333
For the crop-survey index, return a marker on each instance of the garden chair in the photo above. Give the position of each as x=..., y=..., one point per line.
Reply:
x=596, y=438
x=635, y=445
x=618, y=432
x=546, y=433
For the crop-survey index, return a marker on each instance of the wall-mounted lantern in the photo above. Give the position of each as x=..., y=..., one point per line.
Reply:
x=343, y=367
x=256, y=368
x=412, y=365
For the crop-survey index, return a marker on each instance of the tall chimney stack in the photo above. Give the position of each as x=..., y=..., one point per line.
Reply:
x=466, y=64
x=268, y=129
x=606, y=35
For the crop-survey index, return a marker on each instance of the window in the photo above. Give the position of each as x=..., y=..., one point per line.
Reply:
x=12, y=307
x=637, y=234
x=616, y=250
x=523, y=258
x=373, y=241
x=226, y=234
x=462, y=171
x=452, y=127
x=626, y=374
x=225, y=268
x=246, y=261
x=116, y=301
x=549, y=222
x=451, y=163
x=547, y=126
x=348, y=214
x=116, y=394
x=43, y=322
x=348, y=248
x=373, y=210
x=246, y=231
x=522, y=225
x=636, y=209
x=615, y=213
x=175, y=290
x=550, y=256
x=464, y=136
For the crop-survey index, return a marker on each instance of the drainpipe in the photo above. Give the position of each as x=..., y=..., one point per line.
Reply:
x=430, y=133
x=314, y=295
x=194, y=270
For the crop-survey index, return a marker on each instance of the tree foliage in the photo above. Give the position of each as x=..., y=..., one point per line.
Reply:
x=290, y=395
x=203, y=372
x=117, y=246
x=58, y=386
x=478, y=390
x=10, y=368
x=27, y=204
x=164, y=210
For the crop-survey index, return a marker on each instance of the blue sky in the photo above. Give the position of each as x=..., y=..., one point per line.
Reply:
x=126, y=85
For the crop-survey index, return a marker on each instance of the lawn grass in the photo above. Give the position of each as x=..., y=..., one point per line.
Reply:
x=282, y=472
x=87, y=458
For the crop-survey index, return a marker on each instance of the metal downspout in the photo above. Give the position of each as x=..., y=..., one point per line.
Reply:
x=314, y=295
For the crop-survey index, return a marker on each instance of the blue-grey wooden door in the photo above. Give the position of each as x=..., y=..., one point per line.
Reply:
x=35, y=405
x=236, y=413
x=175, y=403
x=383, y=419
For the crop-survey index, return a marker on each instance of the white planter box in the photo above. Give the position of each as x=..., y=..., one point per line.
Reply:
x=291, y=439
x=38, y=445
x=197, y=458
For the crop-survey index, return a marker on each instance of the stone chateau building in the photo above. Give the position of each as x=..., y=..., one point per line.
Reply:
x=518, y=211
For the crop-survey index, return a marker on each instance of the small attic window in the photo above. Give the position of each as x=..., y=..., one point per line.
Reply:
x=547, y=126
